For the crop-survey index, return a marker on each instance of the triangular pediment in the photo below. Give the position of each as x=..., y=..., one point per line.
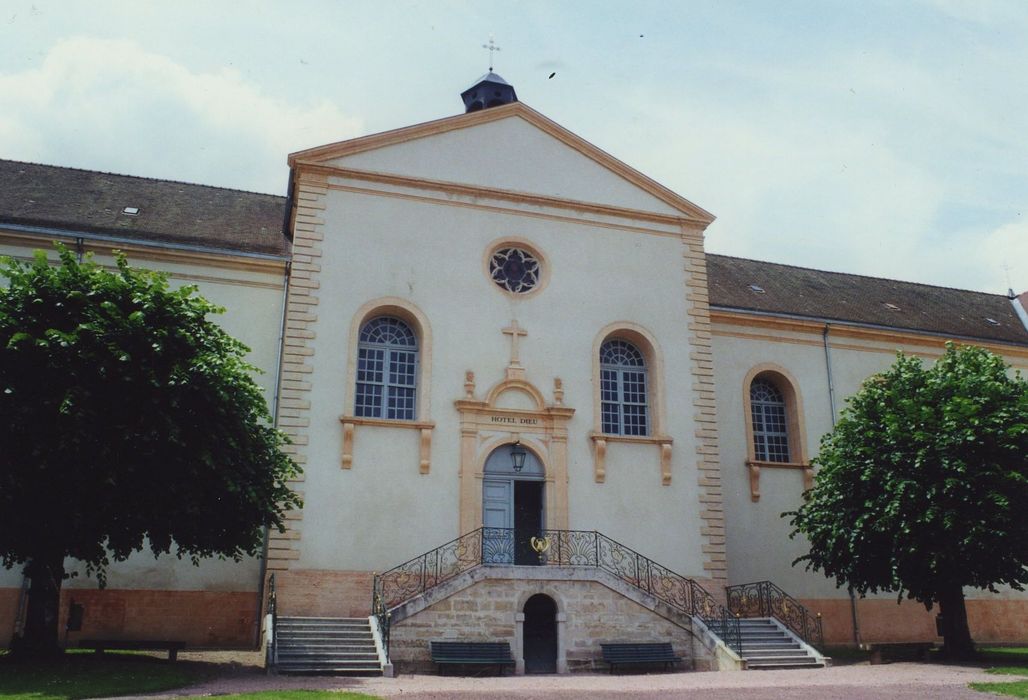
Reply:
x=511, y=149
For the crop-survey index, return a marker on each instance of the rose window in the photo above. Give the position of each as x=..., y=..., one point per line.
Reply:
x=515, y=270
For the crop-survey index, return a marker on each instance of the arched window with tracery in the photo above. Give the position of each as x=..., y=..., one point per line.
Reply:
x=770, y=421
x=387, y=370
x=623, y=394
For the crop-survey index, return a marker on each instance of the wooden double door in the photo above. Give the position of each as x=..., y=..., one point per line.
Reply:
x=512, y=509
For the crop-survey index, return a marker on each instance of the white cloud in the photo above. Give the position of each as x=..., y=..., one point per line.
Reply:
x=862, y=162
x=831, y=197
x=987, y=12
x=112, y=105
x=998, y=254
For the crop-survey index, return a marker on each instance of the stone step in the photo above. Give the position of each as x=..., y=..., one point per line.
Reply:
x=327, y=633
x=285, y=641
x=316, y=646
x=330, y=669
x=326, y=645
x=337, y=651
x=756, y=650
x=778, y=664
x=763, y=652
x=324, y=628
x=302, y=624
x=327, y=657
x=320, y=620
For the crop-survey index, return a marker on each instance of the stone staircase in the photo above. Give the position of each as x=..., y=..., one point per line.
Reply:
x=323, y=645
x=767, y=645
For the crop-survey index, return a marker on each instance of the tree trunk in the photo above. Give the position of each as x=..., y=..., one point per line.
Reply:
x=41, y=638
x=957, y=643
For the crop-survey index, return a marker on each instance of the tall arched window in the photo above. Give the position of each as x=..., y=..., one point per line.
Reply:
x=387, y=370
x=623, y=404
x=770, y=424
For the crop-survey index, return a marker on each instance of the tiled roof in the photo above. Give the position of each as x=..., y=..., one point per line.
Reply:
x=834, y=296
x=217, y=218
x=168, y=212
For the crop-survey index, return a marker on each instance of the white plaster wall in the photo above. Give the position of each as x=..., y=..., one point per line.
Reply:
x=758, y=539
x=253, y=302
x=381, y=512
x=509, y=154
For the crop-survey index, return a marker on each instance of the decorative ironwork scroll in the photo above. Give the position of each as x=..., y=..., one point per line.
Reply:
x=497, y=546
x=765, y=599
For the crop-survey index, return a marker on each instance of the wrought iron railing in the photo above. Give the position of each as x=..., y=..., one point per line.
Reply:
x=270, y=651
x=765, y=599
x=498, y=546
x=382, y=615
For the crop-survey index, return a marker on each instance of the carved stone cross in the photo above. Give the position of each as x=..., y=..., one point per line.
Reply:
x=515, y=333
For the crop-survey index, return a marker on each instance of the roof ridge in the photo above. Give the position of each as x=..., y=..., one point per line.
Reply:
x=856, y=274
x=142, y=177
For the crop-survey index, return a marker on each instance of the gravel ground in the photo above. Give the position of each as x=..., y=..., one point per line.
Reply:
x=905, y=681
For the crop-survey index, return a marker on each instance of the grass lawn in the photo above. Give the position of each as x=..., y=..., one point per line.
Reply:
x=90, y=676
x=1010, y=661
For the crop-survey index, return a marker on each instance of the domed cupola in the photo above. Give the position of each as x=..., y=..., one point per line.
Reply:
x=488, y=91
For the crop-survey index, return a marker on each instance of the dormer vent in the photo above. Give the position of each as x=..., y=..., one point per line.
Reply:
x=890, y=307
x=992, y=321
x=756, y=289
x=130, y=211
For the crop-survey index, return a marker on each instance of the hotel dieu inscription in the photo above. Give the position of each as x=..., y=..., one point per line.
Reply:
x=512, y=420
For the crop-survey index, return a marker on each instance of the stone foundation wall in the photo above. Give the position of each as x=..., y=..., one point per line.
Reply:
x=588, y=613
x=8, y=613
x=883, y=620
x=211, y=619
x=315, y=592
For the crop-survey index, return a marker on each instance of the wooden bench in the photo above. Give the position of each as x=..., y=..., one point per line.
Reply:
x=635, y=654
x=472, y=654
x=102, y=645
x=898, y=651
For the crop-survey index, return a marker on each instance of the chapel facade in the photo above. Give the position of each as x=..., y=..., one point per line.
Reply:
x=529, y=406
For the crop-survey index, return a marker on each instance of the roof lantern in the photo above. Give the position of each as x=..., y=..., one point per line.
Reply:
x=490, y=90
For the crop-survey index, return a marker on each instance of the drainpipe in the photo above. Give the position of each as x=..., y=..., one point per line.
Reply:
x=828, y=366
x=80, y=248
x=274, y=406
x=831, y=401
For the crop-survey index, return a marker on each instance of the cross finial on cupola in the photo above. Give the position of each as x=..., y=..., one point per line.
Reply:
x=490, y=90
x=491, y=47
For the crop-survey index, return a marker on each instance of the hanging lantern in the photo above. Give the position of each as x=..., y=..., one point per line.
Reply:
x=517, y=456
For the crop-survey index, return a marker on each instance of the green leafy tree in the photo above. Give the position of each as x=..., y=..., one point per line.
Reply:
x=923, y=486
x=129, y=420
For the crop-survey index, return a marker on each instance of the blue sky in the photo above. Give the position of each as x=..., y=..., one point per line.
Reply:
x=880, y=138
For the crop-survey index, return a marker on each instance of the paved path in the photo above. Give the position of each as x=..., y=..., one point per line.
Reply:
x=906, y=681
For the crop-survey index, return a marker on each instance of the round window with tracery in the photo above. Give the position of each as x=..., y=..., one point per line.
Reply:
x=515, y=270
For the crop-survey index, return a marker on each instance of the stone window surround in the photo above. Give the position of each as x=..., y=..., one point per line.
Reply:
x=418, y=322
x=784, y=380
x=526, y=245
x=646, y=343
